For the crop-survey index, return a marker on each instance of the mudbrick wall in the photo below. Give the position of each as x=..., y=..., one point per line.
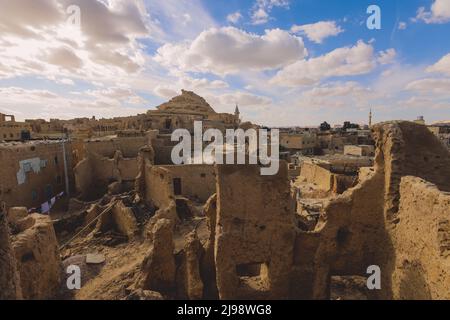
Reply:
x=38, y=261
x=95, y=173
x=30, y=265
x=389, y=219
x=254, y=233
x=9, y=276
x=422, y=242
x=396, y=217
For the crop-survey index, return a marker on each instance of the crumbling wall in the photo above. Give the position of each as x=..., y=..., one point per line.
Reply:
x=197, y=181
x=125, y=220
x=189, y=282
x=37, y=255
x=254, y=233
x=398, y=225
x=158, y=268
x=158, y=186
x=409, y=149
x=10, y=288
x=94, y=174
x=128, y=146
x=207, y=264
x=317, y=175
x=324, y=179
x=422, y=242
x=352, y=235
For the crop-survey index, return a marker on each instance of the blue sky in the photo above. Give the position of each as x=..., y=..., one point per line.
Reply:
x=285, y=62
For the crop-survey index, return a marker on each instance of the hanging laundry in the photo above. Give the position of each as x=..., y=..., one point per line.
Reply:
x=45, y=208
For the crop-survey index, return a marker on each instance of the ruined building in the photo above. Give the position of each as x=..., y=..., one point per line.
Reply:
x=34, y=172
x=10, y=130
x=143, y=229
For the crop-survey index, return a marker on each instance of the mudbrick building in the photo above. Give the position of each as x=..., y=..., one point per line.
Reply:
x=34, y=172
x=227, y=232
x=139, y=227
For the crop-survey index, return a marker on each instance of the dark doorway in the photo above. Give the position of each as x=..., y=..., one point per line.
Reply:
x=168, y=124
x=177, y=187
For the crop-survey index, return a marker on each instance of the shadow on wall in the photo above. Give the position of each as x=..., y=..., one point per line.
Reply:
x=413, y=285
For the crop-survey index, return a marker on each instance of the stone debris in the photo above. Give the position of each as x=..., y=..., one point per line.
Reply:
x=92, y=258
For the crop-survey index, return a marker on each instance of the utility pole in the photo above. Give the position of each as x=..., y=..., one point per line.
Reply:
x=66, y=172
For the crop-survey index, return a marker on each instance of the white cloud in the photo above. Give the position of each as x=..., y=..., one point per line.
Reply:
x=260, y=16
x=387, y=57
x=439, y=13
x=260, y=13
x=67, y=81
x=40, y=41
x=46, y=104
x=234, y=17
x=442, y=66
x=338, y=90
x=189, y=83
x=319, y=31
x=347, y=61
x=231, y=50
x=430, y=86
x=170, y=22
x=402, y=25
x=165, y=92
x=244, y=99
x=422, y=102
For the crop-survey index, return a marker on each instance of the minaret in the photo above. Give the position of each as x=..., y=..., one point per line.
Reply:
x=237, y=114
x=370, y=118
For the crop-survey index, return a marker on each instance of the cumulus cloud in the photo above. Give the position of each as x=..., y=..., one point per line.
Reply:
x=439, y=13
x=234, y=17
x=387, y=57
x=318, y=31
x=442, y=66
x=347, y=61
x=230, y=50
x=170, y=22
x=260, y=13
x=36, y=38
